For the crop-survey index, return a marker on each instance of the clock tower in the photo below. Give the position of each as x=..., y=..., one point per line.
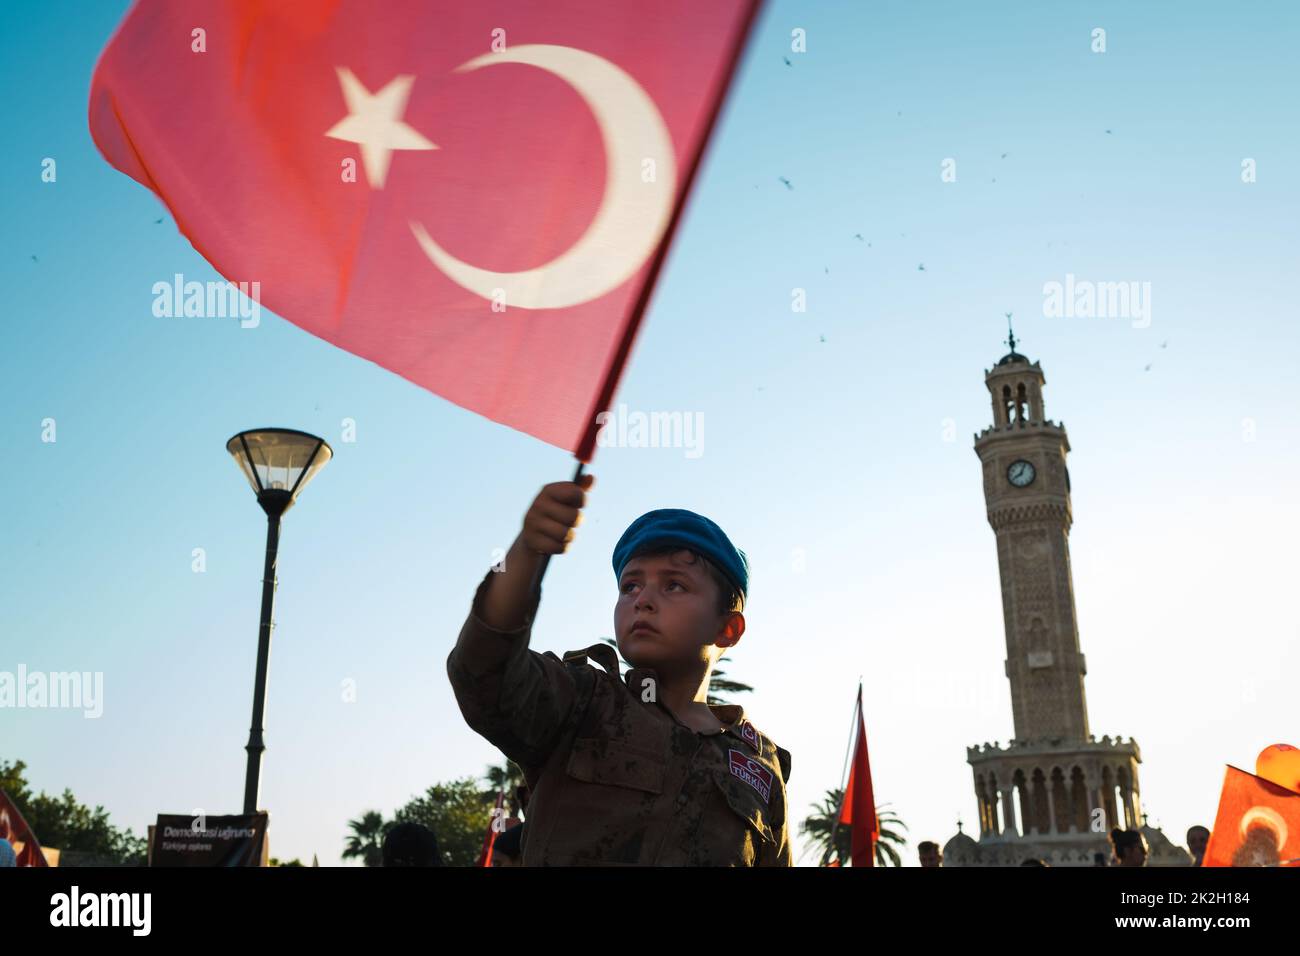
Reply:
x=1055, y=791
x=1027, y=494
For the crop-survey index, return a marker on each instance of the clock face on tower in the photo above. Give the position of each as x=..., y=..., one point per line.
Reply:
x=1020, y=473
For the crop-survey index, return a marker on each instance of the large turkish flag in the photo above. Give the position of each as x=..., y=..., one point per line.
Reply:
x=475, y=195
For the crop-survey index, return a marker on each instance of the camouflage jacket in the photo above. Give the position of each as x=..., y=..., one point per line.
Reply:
x=614, y=777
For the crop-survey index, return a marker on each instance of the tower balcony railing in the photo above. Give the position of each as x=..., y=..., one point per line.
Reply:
x=1016, y=747
x=1020, y=426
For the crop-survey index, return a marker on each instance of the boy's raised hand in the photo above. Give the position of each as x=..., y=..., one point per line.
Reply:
x=554, y=514
x=548, y=529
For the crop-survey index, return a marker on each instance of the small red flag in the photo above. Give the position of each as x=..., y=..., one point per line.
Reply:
x=15, y=829
x=860, y=800
x=490, y=838
x=476, y=196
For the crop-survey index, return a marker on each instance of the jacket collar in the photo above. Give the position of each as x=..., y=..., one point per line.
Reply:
x=733, y=715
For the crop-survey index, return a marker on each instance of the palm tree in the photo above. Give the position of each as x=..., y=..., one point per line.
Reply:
x=718, y=683
x=821, y=823
x=724, y=685
x=507, y=777
x=366, y=842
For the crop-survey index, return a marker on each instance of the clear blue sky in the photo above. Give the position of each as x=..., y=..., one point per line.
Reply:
x=1183, y=543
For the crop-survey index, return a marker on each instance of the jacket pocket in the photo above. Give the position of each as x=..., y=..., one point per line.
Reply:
x=747, y=803
x=597, y=760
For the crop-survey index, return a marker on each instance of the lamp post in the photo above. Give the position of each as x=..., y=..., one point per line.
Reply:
x=278, y=463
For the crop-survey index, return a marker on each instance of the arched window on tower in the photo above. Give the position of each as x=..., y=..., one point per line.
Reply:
x=1040, y=817
x=1081, y=815
x=1020, y=804
x=1108, y=788
x=1006, y=405
x=1060, y=802
x=1022, y=403
x=1124, y=791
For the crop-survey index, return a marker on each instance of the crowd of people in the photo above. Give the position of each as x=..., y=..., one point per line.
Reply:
x=413, y=844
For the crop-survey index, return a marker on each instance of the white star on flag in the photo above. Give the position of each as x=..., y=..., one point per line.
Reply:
x=374, y=121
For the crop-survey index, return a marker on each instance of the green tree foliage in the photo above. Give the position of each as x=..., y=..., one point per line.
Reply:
x=366, y=841
x=820, y=824
x=69, y=825
x=507, y=777
x=458, y=813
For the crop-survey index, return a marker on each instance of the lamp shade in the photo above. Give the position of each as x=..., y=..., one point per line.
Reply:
x=279, y=461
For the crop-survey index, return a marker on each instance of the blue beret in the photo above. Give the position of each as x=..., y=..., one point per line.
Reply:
x=684, y=529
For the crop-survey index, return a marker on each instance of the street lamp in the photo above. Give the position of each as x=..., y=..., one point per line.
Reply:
x=278, y=463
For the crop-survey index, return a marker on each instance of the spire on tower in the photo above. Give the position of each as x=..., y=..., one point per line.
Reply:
x=1013, y=355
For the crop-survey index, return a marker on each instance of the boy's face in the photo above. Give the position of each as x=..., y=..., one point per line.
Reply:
x=667, y=615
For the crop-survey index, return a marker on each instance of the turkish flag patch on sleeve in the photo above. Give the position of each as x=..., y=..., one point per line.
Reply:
x=752, y=772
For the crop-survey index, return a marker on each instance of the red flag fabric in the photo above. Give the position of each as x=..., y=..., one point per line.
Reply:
x=15, y=829
x=490, y=837
x=860, y=800
x=1258, y=823
x=476, y=196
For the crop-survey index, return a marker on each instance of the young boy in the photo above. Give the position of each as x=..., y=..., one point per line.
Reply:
x=636, y=770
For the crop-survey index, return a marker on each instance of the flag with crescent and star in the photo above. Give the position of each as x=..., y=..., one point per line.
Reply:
x=476, y=196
